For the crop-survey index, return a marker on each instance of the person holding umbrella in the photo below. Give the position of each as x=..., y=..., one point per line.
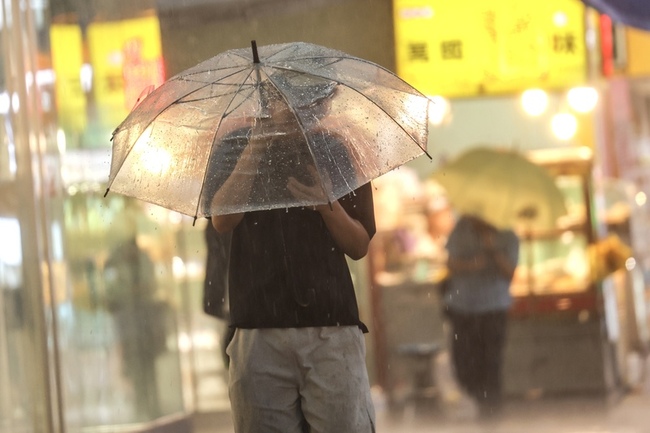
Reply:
x=481, y=264
x=297, y=358
x=278, y=147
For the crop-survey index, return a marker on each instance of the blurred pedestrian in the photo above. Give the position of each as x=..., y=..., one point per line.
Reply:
x=141, y=320
x=297, y=358
x=215, y=284
x=481, y=264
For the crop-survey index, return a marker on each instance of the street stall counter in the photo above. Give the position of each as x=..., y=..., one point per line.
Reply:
x=567, y=294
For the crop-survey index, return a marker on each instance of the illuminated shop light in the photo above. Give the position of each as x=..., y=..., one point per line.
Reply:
x=151, y=158
x=86, y=77
x=15, y=102
x=61, y=141
x=560, y=19
x=534, y=101
x=440, y=110
x=582, y=99
x=10, y=247
x=640, y=198
x=564, y=125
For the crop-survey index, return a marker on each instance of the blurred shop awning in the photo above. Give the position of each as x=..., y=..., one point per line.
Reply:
x=203, y=11
x=633, y=13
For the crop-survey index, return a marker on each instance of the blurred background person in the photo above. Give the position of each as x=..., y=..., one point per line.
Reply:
x=140, y=320
x=481, y=263
x=215, y=284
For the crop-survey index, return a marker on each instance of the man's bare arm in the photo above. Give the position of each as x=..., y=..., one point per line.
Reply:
x=348, y=233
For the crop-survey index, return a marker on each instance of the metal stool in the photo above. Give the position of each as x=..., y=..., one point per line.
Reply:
x=423, y=378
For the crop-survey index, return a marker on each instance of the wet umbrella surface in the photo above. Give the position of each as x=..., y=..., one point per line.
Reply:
x=329, y=121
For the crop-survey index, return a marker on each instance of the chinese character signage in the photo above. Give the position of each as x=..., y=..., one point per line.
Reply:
x=472, y=47
x=127, y=58
x=67, y=59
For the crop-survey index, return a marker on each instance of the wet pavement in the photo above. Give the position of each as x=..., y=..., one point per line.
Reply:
x=453, y=412
x=630, y=414
x=560, y=415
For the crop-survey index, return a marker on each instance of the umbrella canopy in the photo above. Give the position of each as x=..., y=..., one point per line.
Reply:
x=503, y=188
x=290, y=110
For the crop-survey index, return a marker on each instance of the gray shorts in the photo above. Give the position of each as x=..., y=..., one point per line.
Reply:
x=298, y=380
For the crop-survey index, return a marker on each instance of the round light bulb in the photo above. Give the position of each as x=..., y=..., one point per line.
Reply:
x=582, y=99
x=440, y=109
x=560, y=19
x=564, y=125
x=534, y=101
x=640, y=198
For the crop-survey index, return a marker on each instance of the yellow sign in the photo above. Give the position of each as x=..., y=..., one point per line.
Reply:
x=638, y=45
x=127, y=58
x=67, y=59
x=473, y=47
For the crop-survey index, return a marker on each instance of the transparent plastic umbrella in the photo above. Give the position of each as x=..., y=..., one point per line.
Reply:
x=256, y=118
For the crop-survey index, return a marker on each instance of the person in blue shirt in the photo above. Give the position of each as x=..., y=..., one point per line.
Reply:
x=481, y=264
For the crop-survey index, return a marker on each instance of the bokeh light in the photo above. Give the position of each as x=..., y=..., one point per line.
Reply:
x=582, y=99
x=440, y=110
x=564, y=126
x=534, y=101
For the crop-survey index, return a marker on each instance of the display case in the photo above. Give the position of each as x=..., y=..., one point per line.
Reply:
x=569, y=322
x=563, y=334
x=555, y=272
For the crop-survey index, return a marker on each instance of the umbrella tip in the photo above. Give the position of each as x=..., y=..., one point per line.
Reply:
x=256, y=57
x=106, y=193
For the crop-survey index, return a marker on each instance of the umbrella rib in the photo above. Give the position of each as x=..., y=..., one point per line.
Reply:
x=194, y=70
x=338, y=59
x=185, y=78
x=306, y=138
x=148, y=124
x=177, y=100
x=203, y=71
x=226, y=112
x=360, y=93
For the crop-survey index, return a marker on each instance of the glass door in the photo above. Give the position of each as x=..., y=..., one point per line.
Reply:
x=28, y=397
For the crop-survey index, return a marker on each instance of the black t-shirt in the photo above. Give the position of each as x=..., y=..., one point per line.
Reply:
x=215, y=283
x=286, y=270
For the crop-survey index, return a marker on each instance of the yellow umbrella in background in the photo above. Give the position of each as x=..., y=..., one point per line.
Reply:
x=502, y=187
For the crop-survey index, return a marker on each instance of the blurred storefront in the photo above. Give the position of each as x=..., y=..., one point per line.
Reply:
x=541, y=79
x=71, y=360
x=101, y=323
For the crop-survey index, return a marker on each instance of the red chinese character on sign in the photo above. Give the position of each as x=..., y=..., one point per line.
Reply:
x=139, y=73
